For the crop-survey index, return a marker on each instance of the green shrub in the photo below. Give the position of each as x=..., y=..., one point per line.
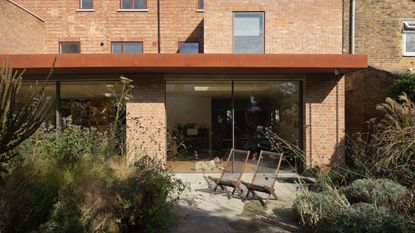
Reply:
x=383, y=192
x=28, y=195
x=405, y=82
x=367, y=218
x=66, y=216
x=317, y=208
x=345, y=176
x=146, y=197
x=68, y=146
x=63, y=182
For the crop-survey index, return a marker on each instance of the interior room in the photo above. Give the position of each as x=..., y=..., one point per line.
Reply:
x=205, y=119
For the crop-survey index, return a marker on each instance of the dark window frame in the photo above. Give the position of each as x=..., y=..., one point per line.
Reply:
x=69, y=42
x=263, y=28
x=127, y=42
x=194, y=41
x=132, y=6
x=81, y=7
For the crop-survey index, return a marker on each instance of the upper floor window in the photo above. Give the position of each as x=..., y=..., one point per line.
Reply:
x=127, y=47
x=133, y=4
x=86, y=4
x=69, y=47
x=248, y=32
x=200, y=4
x=409, y=38
x=189, y=47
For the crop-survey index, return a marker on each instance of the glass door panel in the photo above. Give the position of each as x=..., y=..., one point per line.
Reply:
x=273, y=104
x=199, y=122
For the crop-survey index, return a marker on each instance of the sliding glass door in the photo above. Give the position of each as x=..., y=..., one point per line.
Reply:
x=272, y=104
x=207, y=118
x=199, y=122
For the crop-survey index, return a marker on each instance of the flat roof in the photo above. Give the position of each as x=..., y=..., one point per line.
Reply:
x=37, y=64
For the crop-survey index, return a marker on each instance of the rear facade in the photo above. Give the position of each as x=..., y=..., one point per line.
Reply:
x=207, y=74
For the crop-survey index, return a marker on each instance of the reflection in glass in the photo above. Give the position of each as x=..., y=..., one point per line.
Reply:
x=132, y=48
x=272, y=104
x=189, y=47
x=248, y=32
x=69, y=47
x=50, y=91
x=86, y=4
x=90, y=104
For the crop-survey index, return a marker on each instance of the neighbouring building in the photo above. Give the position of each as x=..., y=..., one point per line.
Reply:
x=385, y=31
x=206, y=73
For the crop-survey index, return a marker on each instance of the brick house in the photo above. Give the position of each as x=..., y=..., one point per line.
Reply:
x=251, y=66
x=381, y=31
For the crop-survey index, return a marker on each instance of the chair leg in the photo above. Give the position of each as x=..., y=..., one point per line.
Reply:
x=266, y=202
x=247, y=193
x=275, y=195
x=241, y=190
x=216, y=187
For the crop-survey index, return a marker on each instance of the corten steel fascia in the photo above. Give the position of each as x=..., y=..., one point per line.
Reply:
x=188, y=63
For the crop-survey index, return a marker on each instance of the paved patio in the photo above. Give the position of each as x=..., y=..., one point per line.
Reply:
x=200, y=211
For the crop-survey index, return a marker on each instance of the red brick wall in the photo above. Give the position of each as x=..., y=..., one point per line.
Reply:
x=179, y=22
x=64, y=23
x=20, y=32
x=379, y=27
x=324, y=117
x=146, y=119
x=361, y=106
x=294, y=26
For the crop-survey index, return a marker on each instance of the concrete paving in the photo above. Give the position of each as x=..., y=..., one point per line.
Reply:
x=201, y=211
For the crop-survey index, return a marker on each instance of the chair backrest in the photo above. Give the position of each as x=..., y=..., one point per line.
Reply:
x=235, y=165
x=267, y=169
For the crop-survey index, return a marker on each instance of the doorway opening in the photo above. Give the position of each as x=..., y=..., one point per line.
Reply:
x=205, y=119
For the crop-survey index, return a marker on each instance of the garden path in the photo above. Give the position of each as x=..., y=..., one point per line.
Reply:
x=200, y=211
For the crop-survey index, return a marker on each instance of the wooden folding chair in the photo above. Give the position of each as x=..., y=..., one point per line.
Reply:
x=232, y=174
x=265, y=175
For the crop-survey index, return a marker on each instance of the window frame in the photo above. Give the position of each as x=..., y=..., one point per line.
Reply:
x=183, y=42
x=132, y=8
x=123, y=45
x=69, y=42
x=198, y=5
x=81, y=8
x=233, y=30
x=407, y=29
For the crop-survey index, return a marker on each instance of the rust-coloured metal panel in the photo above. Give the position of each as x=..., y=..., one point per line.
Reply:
x=187, y=63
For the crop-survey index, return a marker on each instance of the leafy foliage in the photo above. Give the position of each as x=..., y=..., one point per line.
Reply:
x=405, y=82
x=380, y=192
x=147, y=196
x=19, y=119
x=66, y=146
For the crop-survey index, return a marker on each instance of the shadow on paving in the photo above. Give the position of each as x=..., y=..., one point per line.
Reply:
x=253, y=218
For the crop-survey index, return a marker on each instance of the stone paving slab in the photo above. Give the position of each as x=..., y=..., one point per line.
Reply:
x=201, y=211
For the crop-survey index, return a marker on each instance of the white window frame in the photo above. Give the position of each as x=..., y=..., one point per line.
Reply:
x=408, y=28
